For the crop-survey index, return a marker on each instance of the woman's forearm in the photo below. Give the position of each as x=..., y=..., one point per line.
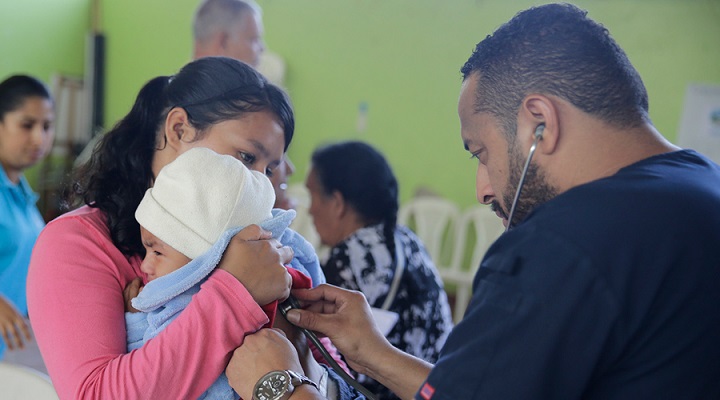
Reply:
x=76, y=306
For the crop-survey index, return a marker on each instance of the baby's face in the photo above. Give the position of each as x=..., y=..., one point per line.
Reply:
x=160, y=259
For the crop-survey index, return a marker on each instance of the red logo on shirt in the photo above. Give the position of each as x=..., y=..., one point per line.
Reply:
x=427, y=391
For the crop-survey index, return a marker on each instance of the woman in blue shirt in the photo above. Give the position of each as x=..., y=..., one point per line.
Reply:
x=26, y=135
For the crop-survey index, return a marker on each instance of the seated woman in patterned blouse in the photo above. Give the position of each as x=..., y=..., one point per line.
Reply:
x=354, y=205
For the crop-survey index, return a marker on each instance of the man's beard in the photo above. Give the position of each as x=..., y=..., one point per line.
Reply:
x=535, y=191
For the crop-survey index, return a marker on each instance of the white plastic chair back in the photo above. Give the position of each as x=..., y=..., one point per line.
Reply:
x=433, y=219
x=303, y=223
x=22, y=383
x=486, y=227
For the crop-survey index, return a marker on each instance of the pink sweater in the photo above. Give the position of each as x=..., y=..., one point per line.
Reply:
x=75, y=300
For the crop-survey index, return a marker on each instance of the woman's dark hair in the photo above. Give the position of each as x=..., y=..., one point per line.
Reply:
x=364, y=178
x=16, y=89
x=211, y=90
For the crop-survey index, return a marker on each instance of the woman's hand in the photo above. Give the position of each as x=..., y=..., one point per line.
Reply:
x=264, y=351
x=257, y=261
x=14, y=329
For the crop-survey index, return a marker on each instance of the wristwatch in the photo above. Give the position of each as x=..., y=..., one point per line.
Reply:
x=279, y=385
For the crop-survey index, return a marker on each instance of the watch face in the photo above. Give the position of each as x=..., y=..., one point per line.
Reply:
x=273, y=386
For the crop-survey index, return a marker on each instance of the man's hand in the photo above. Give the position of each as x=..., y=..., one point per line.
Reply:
x=345, y=317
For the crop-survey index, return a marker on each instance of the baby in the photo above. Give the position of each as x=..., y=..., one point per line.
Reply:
x=197, y=204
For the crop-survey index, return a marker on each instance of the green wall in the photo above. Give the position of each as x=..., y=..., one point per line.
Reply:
x=401, y=57
x=43, y=37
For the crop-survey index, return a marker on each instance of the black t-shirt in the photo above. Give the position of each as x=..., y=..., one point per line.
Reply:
x=609, y=291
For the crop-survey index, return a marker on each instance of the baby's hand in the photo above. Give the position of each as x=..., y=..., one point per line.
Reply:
x=131, y=291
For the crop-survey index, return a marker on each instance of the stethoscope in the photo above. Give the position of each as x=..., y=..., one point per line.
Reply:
x=538, y=137
x=290, y=303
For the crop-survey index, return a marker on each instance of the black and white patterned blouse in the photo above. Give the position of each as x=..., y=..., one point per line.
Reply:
x=362, y=262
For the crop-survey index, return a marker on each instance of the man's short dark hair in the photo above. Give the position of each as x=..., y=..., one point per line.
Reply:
x=556, y=49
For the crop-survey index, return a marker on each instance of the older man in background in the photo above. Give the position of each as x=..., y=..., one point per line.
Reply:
x=234, y=28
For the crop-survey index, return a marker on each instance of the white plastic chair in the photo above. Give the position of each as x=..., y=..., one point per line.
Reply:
x=480, y=221
x=433, y=219
x=22, y=383
x=303, y=223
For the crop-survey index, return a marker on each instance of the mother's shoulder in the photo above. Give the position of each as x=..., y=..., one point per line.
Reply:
x=85, y=216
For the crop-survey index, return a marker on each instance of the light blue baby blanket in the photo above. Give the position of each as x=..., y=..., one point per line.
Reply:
x=162, y=299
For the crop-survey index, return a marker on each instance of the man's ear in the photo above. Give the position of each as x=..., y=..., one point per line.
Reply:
x=177, y=129
x=222, y=41
x=537, y=110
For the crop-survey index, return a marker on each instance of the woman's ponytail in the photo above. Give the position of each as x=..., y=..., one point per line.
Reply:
x=119, y=171
x=389, y=226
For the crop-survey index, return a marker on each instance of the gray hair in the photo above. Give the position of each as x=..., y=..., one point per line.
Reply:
x=214, y=16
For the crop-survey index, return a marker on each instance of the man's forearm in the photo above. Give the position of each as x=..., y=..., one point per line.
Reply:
x=400, y=372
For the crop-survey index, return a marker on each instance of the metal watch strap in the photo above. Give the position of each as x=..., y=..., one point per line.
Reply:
x=299, y=379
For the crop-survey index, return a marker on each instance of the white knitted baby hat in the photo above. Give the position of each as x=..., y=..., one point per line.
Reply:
x=200, y=195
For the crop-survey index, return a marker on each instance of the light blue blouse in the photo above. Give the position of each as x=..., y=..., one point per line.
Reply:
x=20, y=225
